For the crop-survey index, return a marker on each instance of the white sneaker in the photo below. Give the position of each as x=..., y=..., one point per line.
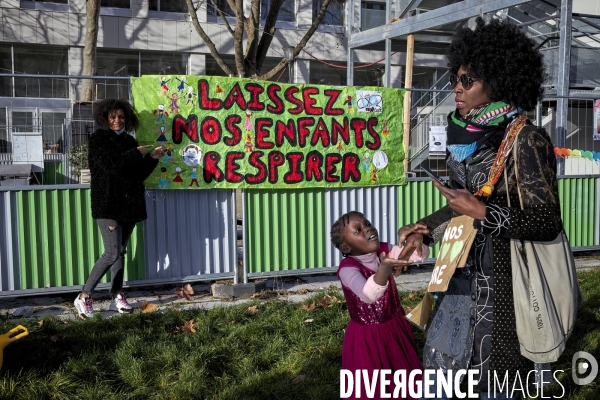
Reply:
x=120, y=304
x=84, y=306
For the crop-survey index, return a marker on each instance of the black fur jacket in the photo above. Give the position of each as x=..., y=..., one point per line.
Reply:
x=118, y=171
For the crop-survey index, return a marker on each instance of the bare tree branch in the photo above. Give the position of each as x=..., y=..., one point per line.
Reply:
x=302, y=43
x=238, y=36
x=209, y=43
x=222, y=16
x=252, y=27
x=89, y=50
x=268, y=33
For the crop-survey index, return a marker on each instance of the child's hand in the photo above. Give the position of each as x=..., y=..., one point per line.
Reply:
x=392, y=264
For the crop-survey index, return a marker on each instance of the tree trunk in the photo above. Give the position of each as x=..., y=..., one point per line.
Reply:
x=89, y=50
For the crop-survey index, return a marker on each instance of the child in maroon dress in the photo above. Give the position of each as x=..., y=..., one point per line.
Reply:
x=378, y=336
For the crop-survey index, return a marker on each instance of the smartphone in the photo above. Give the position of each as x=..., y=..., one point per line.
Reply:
x=435, y=176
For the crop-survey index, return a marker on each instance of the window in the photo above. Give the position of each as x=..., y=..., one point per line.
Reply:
x=4, y=143
x=177, y=6
x=113, y=63
x=213, y=69
x=287, y=12
x=52, y=131
x=115, y=3
x=221, y=5
x=334, y=15
x=41, y=60
x=371, y=15
x=133, y=63
x=164, y=64
x=6, y=87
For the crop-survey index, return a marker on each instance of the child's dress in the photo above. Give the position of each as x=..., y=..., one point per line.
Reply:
x=378, y=335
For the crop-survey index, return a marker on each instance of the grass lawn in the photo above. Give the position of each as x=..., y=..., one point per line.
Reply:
x=260, y=350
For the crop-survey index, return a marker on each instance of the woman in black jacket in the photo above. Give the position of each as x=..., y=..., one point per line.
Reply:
x=497, y=72
x=118, y=167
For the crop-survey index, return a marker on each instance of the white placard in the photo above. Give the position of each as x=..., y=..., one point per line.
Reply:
x=437, y=140
x=28, y=148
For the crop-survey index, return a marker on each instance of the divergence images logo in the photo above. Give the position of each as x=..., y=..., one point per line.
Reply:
x=590, y=365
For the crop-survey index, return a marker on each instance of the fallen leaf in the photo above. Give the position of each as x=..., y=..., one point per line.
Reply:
x=308, y=321
x=298, y=379
x=303, y=291
x=325, y=301
x=188, y=289
x=41, y=322
x=148, y=307
x=252, y=310
x=309, y=308
x=54, y=338
x=182, y=293
x=579, y=280
x=412, y=296
x=407, y=310
x=188, y=326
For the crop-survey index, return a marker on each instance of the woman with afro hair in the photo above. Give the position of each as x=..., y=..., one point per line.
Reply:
x=118, y=166
x=497, y=73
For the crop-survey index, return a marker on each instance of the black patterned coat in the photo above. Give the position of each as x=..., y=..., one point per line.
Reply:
x=118, y=171
x=492, y=342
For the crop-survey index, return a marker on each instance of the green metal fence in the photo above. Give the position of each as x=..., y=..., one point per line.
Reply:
x=59, y=241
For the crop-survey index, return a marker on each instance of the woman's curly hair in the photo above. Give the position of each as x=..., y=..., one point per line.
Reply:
x=508, y=62
x=103, y=108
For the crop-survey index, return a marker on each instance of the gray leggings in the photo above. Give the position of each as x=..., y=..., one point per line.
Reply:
x=115, y=236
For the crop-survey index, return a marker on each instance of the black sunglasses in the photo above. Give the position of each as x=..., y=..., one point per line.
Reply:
x=465, y=81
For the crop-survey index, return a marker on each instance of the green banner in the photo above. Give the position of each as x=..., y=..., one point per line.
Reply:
x=224, y=132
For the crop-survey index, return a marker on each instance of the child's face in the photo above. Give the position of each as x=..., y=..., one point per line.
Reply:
x=360, y=237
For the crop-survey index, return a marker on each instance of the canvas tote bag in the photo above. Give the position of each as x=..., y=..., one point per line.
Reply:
x=545, y=290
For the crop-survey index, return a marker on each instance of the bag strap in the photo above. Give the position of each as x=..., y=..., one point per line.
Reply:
x=501, y=156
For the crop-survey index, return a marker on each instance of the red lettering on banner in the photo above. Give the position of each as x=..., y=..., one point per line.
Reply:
x=235, y=96
x=303, y=124
x=285, y=131
x=211, y=167
x=350, y=165
x=211, y=130
x=314, y=163
x=232, y=166
x=262, y=132
x=236, y=133
x=331, y=160
x=289, y=96
x=277, y=107
x=310, y=101
x=341, y=130
x=206, y=103
x=255, y=161
x=188, y=126
x=294, y=175
x=371, y=124
x=358, y=125
x=255, y=89
x=333, y=95
x=320, y=133
x=276, y=160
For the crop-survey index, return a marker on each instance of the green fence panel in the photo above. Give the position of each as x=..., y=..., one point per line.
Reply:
x=59, y=242
x=53, y=173
x=285, y=230
x=578, y=209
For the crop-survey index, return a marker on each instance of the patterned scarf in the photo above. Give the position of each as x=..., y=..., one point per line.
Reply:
x=466, y=133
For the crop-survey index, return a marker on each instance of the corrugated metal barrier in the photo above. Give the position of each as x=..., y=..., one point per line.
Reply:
x=49, y=242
